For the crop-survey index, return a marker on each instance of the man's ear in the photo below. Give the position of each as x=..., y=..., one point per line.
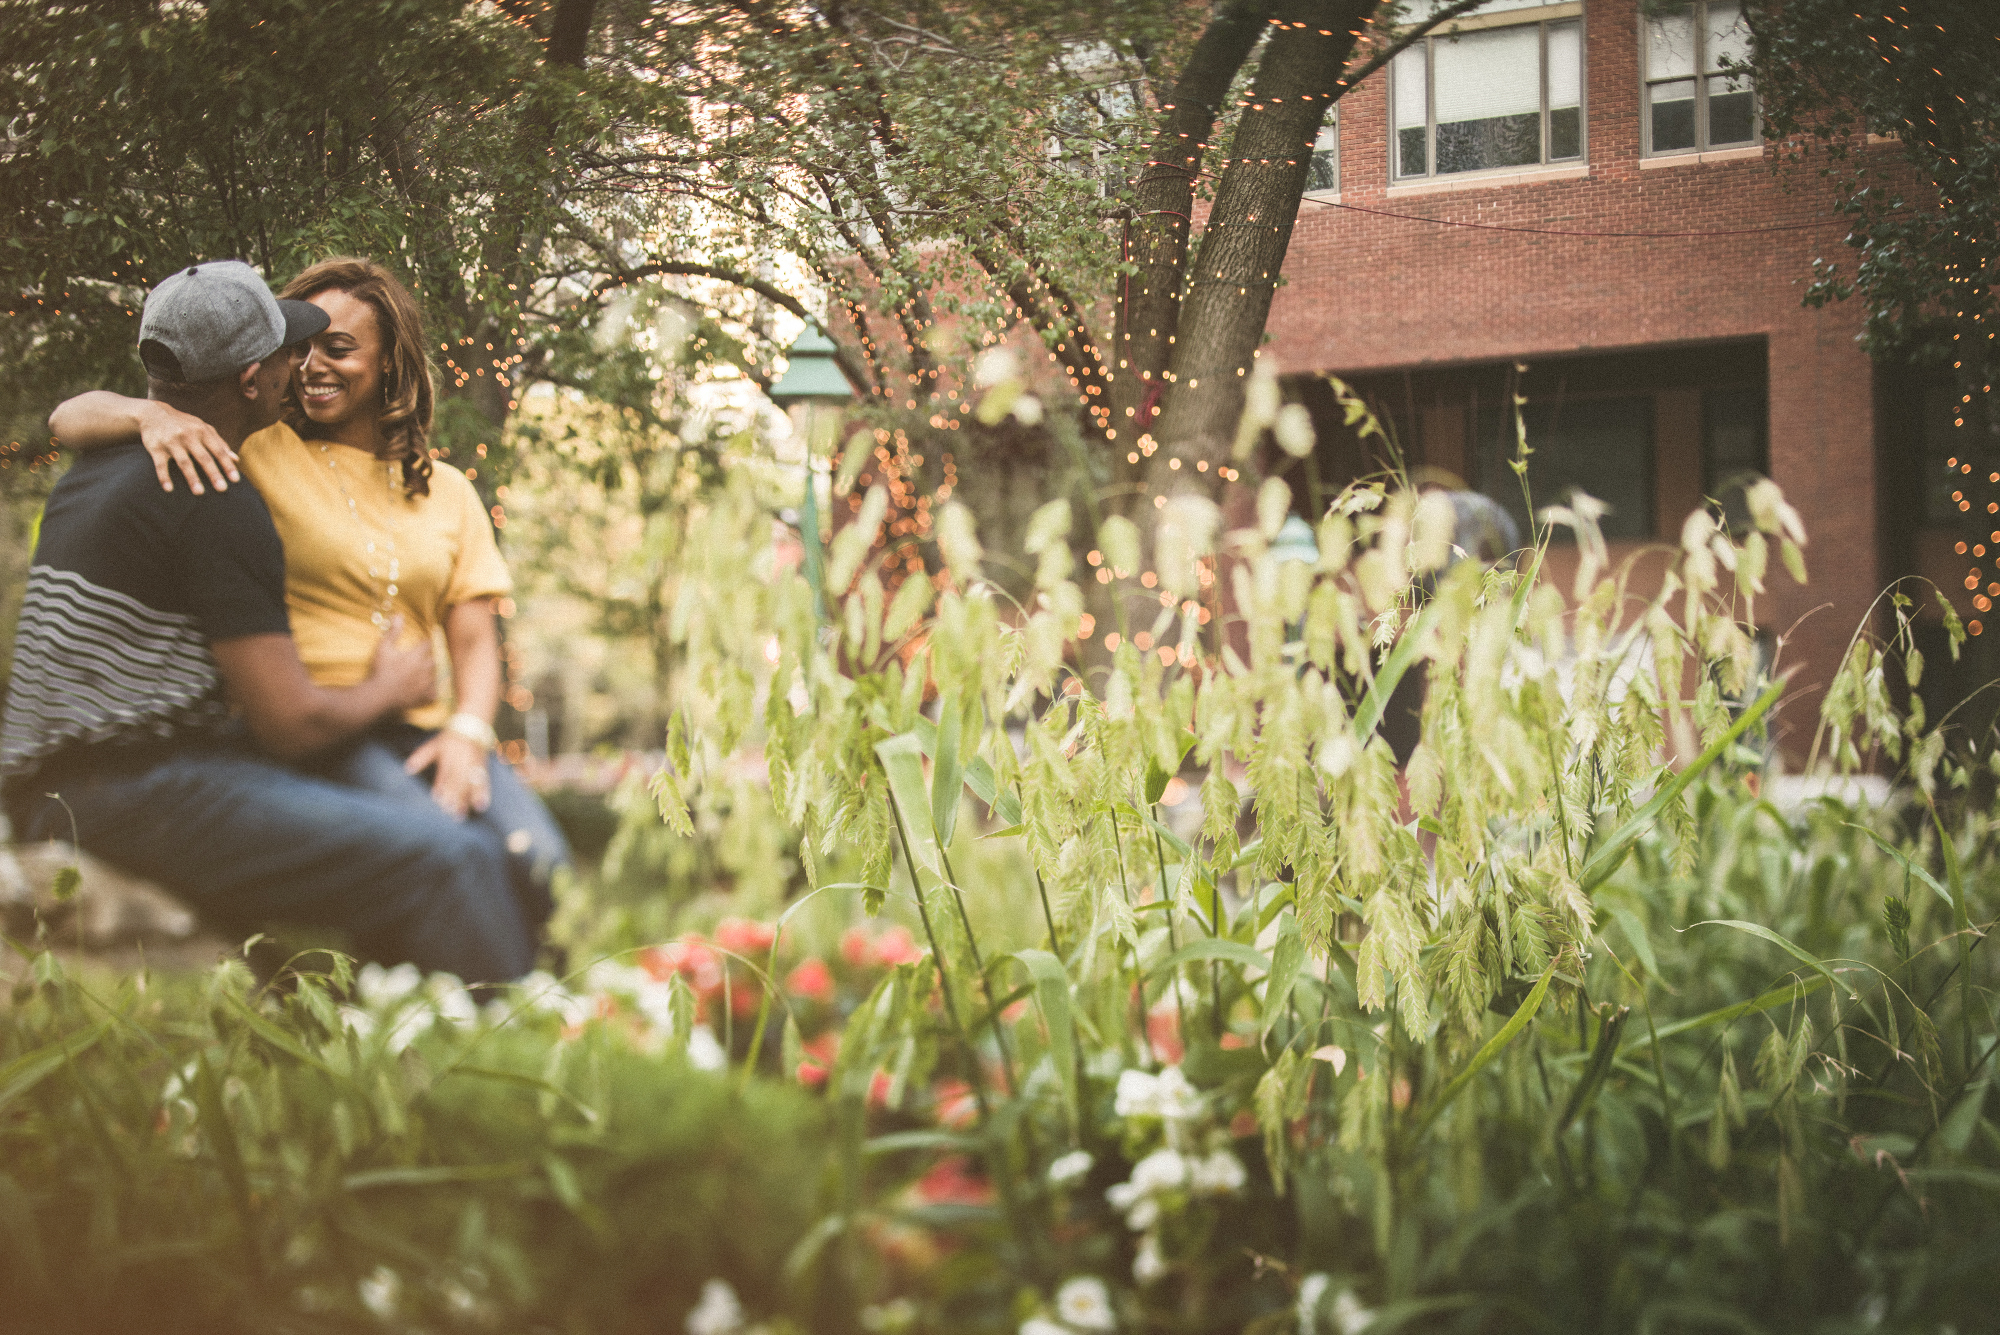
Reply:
x=246, y=380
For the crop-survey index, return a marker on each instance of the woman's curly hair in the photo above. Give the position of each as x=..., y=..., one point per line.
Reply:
x=408, y=396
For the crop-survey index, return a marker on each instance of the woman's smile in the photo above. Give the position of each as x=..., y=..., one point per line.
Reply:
x=340, y=380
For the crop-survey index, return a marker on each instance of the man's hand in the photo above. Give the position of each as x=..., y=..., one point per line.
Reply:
x=184, y=440
x=461, y=784
x=407, y=674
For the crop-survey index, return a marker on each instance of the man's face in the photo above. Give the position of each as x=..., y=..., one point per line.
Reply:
x=273, y=374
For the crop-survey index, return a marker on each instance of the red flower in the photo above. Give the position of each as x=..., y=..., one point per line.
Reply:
x=952, y=1182
x=744, y=998
x=744, y=936
x=811, y=979
x=955, y=1104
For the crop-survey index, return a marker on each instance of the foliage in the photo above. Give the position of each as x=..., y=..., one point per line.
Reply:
x=203, y=1154
x=1829, y=77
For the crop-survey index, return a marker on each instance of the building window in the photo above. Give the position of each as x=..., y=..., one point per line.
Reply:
x=1735, y=449
x=1602, y=447
x=1698, y=94
x=1499, y=97
x=1323, y=173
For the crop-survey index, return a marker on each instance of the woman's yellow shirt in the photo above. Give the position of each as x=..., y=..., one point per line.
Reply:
x=338, y=557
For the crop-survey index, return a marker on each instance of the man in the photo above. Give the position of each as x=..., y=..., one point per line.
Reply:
x=149, y=614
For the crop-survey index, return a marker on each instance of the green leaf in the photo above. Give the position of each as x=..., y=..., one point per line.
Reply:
x=1759, y=930
x=1052, y=995
x=1212, y=948
x=1492, y=1047
x=1288, y=957
x=1612, y=851
x=1635, y=932
x=1908, y=865
x=436, y=1175
x=23, y=1073
x=903, y=762
x=1369, y=712
x=947, y=777
x=1156, y=781
x=1788, y=994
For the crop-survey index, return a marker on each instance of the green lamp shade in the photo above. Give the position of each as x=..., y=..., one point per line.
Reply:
x=811, y=372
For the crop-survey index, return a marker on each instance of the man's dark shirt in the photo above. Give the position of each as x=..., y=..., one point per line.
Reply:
x=129, y=586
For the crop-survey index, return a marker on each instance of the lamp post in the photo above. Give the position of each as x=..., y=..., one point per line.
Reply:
x=812, y=380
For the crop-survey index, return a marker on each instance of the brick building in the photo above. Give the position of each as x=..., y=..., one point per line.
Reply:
x=1475, y=213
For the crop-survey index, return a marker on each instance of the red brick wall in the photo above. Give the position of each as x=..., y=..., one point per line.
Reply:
x=1369, y=293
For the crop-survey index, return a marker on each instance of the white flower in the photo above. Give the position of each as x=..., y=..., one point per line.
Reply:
x=382, y=1290
x=718, y=1312
x=381, y=988
x=1167, y=1094
x=1144, y=1214
x=1220, y=1173
x=704, y=1052
x=358, y=1020
x=453, y=1002
x=542, y=993
x=1349, y=1315
x=1085, y=1303
x=1041, y=1325
x=1070, y=1168
x=1162, y=1170
x=1149, y=1266
x=1312, y=1292
x=1123, y=1196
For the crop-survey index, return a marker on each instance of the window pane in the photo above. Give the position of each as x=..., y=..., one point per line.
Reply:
x=1565, y=133
x=1670, y=45
x=1408, y=74
x=1410, y=152
x=1486, y=75
x=1600, y=446
x=1728, y=38
x=1489, y=99
x=1565, y=65
x=1673, y=115
x=1324, y=173
x=1731, y=117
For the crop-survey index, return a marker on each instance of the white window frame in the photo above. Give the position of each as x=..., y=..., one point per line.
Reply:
x=1539, y=18
x=1702, y=144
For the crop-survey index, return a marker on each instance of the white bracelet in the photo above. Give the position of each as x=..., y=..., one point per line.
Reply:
x=473, y=729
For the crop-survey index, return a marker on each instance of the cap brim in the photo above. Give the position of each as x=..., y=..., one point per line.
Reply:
x=302, y=320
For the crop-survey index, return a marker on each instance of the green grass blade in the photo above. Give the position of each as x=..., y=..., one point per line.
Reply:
x=1613, y=850
x=1492, y=1047
x=1759, y=930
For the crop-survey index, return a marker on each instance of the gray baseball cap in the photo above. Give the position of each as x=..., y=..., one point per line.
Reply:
x=213, y=319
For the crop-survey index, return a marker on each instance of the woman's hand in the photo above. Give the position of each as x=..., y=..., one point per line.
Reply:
x=461, y=786
x=174, y=437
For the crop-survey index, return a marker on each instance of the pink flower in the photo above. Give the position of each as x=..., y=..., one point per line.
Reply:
x=744, y=936
x=691, y=957
x=820, y=1051
x=896, y=946
x=811, y=979
x=856, y=948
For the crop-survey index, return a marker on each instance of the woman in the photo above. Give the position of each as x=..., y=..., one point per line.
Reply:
x=372, y=528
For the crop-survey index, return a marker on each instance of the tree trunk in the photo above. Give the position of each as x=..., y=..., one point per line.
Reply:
x=1149, y=304
x=1235, y=271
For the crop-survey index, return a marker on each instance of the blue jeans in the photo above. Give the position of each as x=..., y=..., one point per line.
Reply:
x=515, y=821
x=247, y=842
